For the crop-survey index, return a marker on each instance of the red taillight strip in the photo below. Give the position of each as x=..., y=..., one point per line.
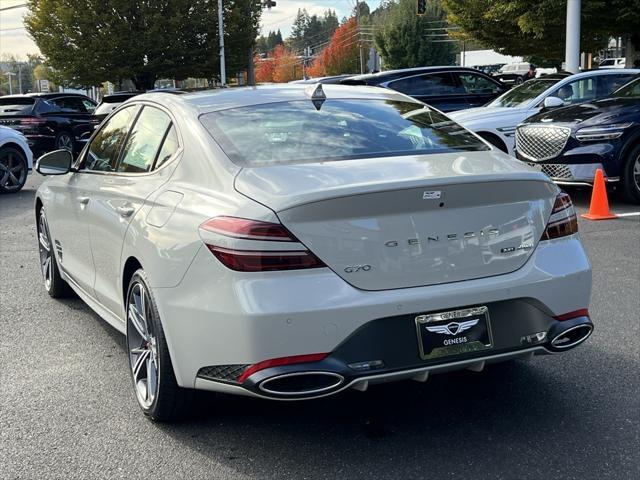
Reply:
x=244, y=228
x=265, y=261
x=583, y=312
x=278, y=362
x=562, y=221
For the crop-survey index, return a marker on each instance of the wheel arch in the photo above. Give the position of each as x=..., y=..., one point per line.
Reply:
x=17, y=146
x=131, y=265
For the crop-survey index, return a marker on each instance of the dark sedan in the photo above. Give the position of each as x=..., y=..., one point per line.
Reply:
x=444, y=88
x=49, y=121
x=570, y=143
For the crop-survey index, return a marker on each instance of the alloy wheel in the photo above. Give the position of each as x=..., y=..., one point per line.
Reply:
x=636, y=172
x=46, y=259
x=65, y=142
x=142, y=345
x=13, y=171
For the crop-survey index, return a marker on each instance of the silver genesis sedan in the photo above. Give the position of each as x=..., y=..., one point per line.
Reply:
x=290, y=242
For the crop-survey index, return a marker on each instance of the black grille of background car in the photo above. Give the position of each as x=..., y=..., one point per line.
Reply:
x=537, y=142
x=228, y=373
x=555, y=171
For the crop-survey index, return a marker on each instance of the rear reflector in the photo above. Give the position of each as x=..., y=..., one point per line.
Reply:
x=278, y=362
x=575, y=314
x=562, y=221
x=265, y=261
x=248, y=229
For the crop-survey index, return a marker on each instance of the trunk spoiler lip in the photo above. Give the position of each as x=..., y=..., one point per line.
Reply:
x=281, y=201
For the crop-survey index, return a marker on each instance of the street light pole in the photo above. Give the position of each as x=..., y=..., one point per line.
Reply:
x=20, y=77
x=10, y=74
x=223, y=73
x=572, y=46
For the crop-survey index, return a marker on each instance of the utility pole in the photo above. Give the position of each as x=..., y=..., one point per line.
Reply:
x=223, y=73
x=20, y=77
x=9, y=75
x=572, y=45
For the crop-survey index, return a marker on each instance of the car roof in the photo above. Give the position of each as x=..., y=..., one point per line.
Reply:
x=224, y=98
x=410, y=71
x=44, y=95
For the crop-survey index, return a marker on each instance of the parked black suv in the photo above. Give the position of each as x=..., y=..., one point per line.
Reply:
x=570, y=143
x=50, y=120
x=444, y=88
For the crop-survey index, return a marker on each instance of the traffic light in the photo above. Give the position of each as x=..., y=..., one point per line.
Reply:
x=422, y=7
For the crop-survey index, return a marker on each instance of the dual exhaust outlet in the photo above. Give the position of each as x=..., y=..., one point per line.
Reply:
x=562, y=336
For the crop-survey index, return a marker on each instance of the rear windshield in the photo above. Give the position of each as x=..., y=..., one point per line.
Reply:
x=16, y=106
x=301, y=132
x=522, y=94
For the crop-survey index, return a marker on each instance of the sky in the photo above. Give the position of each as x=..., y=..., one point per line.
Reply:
x=14, y=39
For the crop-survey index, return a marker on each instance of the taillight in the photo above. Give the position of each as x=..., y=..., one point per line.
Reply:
x=32, y=121
x=248, y=229
x=563, y=220
x=262, y=259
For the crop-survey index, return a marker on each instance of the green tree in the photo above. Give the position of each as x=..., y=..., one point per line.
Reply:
x=402, y=36
x=522, y=27
x=90, y=41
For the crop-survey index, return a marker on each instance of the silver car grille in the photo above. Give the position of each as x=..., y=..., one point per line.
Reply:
x=541, y=142
x=554, y=171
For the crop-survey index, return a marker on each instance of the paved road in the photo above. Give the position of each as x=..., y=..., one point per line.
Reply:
x=67, y=408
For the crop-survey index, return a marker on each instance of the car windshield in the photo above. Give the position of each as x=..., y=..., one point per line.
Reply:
x=16, y=106
x=305, y=131
x=631, y=89
x=522, y=93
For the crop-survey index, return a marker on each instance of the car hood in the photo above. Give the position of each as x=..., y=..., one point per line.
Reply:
x=608, y=110
x=481, y=116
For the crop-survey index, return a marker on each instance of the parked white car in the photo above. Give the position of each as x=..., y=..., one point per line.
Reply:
x=16, y=160
x=290, y=242
x=613, y=63
x=496, y=122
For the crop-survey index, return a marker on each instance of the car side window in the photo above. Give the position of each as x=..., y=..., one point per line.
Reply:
x=169, y=147
x=70, y=105
x=577, y=91
x=103, y=152
x=609, y=83
x=144, y=141
x=89, y=106
x=430, y=84
x=45, y=106
x=477, y=84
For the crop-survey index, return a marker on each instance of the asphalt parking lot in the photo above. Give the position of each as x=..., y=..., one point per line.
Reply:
x=67, y=408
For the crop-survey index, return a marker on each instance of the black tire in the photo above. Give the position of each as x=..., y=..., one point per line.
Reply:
x=495, y=141
x=519, y=80
x=630, y=178
x=169, y=402
x=54, y=284
x=13, y=169
x=64, y=141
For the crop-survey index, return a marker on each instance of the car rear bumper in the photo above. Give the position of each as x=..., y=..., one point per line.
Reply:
x=225, y=326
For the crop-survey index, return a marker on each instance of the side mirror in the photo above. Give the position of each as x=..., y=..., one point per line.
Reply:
x=552, y=102
x=57, y=162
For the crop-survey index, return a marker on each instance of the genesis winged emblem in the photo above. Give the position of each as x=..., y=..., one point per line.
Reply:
x=453, y=328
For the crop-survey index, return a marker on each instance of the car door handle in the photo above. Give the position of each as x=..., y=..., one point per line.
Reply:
x=83, y=200
x=125, y=211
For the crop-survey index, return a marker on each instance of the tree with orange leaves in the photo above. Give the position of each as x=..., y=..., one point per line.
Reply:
x=281, y=66
x=341, y=55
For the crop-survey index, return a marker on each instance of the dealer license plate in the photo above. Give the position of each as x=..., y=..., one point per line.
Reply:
x=454, y=332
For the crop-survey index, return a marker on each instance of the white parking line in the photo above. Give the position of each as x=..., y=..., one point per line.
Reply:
x=630, y=214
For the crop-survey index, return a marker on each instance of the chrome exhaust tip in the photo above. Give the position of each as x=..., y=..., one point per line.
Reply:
x=299, y=384
x=571, y=337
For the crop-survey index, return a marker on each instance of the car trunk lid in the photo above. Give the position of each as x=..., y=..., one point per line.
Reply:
x=410, y=221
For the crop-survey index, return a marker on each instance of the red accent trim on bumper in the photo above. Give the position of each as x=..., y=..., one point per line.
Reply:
x=277, y=362
x=576, y=313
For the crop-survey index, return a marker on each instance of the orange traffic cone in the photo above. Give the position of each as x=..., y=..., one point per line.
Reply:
x=599, y=208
